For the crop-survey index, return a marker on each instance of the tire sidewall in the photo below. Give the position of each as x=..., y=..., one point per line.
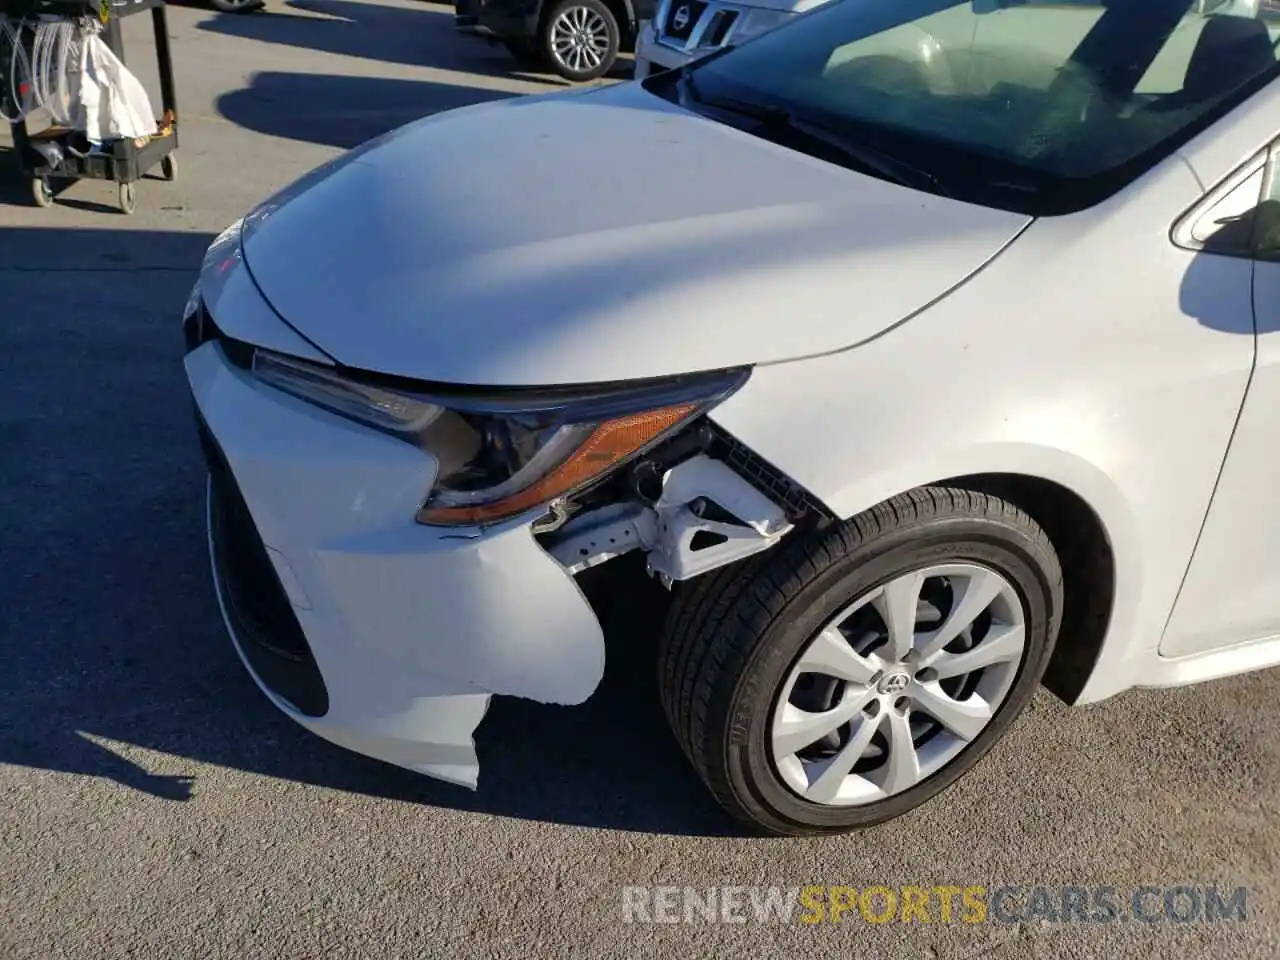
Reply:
x=611, y=55
x=750, y=767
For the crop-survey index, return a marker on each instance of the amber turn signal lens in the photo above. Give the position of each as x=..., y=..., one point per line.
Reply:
x=604, y=448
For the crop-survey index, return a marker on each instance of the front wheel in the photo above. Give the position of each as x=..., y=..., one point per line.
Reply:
x=864, y=668
x=581, y=39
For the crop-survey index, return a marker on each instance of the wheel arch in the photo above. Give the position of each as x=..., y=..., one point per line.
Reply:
x=1082, y=505
x=624, y=12
x=1088, y=564
x=1061, y=466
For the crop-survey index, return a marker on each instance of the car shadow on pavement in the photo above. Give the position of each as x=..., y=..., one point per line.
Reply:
x=114, y=662
x=340, y=111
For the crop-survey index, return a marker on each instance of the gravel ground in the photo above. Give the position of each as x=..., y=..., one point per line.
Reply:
x=153, y=804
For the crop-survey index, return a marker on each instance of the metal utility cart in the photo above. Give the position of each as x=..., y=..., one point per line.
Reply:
x=123, y=161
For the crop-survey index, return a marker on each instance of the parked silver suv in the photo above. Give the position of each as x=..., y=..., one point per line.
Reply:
x=682, y=30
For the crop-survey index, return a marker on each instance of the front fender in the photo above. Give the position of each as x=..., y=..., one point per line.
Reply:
x=869, y=464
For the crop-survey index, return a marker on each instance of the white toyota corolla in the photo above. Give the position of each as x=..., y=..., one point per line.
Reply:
x=921, y=376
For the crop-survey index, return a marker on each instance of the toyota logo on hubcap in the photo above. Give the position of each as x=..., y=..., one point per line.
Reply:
x=894, y=683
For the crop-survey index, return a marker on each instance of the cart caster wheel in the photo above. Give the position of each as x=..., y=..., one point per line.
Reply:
x=169, y=167
x=41, y=192
x=128, y=198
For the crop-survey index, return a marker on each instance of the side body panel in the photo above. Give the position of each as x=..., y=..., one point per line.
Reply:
x=1231, y=596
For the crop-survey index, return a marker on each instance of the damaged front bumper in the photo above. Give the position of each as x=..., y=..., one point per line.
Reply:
x=387, y=635
x=375, y=632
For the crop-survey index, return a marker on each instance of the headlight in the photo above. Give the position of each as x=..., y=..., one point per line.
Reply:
x=505, y=452
x=389, y=410
x=756, y=21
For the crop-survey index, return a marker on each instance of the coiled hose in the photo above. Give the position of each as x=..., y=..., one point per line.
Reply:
x=37, y=79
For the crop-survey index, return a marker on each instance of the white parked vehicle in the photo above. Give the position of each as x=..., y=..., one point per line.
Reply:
x=684, y=30
x=922, y=374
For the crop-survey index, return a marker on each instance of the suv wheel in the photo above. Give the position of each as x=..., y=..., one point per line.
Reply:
x=581, y=39
x=849, y=676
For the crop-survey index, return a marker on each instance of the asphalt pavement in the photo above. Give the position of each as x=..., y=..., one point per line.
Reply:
x=153, y=804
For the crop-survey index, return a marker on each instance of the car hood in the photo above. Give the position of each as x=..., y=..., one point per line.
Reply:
x=598, y=236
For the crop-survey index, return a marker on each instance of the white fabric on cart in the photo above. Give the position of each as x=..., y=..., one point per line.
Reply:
x=108, y=101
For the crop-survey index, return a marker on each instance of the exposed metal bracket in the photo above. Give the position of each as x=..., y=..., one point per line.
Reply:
x=667, y=530
x=593, y=538
x=679, y=520
x=701, y=477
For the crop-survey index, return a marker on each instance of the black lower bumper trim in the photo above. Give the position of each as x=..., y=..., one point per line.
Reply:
x=266, y=629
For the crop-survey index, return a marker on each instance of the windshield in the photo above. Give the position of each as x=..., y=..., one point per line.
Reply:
x=1042, y=107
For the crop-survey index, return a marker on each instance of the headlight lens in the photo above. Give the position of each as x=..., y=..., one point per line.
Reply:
x=387, y=410
x=519, y=466
x=503, y=453
x=757, y=21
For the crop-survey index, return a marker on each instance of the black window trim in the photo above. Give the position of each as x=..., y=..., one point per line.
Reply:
x=1245, y=242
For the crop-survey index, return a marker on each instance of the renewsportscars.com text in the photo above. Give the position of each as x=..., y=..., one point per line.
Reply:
x=945, y=904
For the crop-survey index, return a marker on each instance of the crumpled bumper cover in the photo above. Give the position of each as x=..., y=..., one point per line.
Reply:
x=412, y=628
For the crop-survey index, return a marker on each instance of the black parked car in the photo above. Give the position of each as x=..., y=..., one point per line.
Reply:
x=578, y=39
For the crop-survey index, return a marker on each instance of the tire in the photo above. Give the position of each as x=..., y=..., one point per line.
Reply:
x=128, y=196
x=42, y=192
x=581, y=19
x=169, y=167
x=736, y=638
x=237, y=6
x=526, y=51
